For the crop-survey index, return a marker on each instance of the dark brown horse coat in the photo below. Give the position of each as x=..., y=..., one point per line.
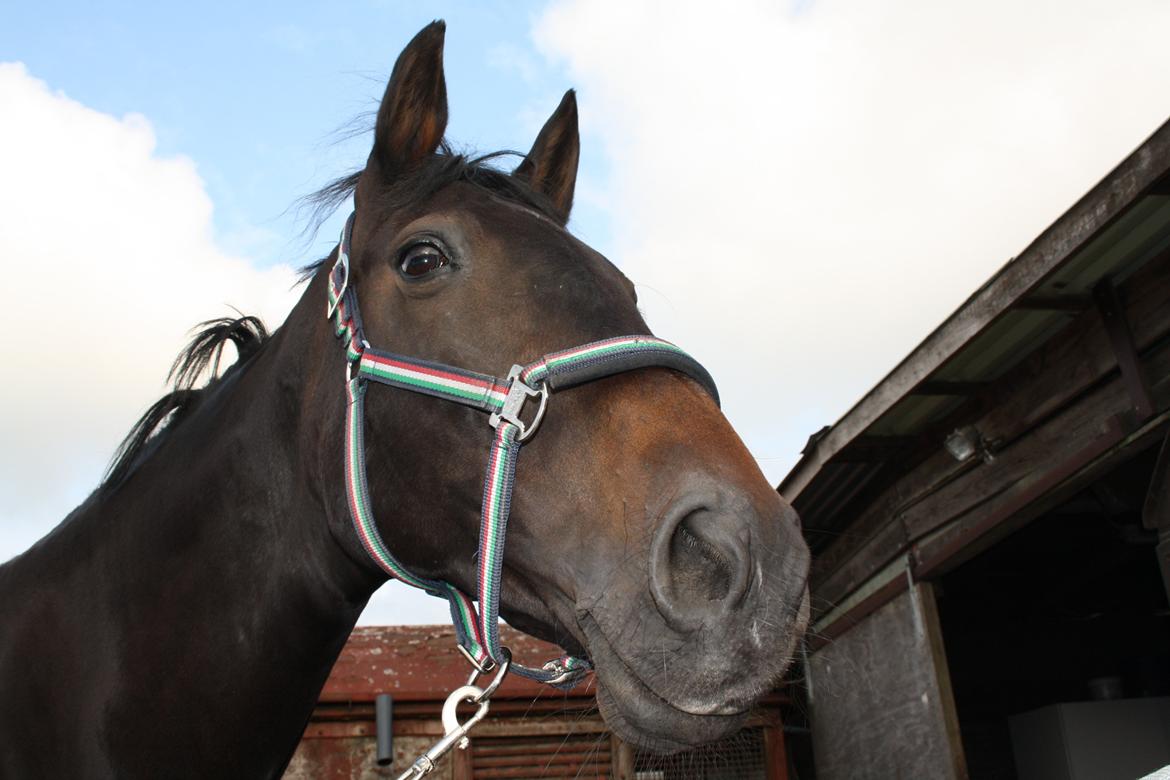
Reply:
x=181, y=622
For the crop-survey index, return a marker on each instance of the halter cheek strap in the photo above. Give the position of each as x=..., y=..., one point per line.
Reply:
x=477, y=631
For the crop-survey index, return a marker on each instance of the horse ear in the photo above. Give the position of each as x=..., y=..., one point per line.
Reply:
x=413, y=114
x=551, y=167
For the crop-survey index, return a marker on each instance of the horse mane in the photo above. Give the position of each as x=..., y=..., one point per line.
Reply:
x=204, y=351
x=441, y=169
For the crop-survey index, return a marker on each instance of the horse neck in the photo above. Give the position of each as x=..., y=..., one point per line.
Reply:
x=252, y=479
x=217, y=559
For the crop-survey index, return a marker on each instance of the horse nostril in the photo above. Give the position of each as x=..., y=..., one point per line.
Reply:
x=699, y=566
x=696, y=566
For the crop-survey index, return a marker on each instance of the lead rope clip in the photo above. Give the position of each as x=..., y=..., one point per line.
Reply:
x=455, y=733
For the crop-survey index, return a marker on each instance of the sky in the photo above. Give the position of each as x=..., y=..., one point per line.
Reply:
x=801, y=189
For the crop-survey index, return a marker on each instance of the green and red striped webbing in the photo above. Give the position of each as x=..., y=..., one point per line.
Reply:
x=477, y=631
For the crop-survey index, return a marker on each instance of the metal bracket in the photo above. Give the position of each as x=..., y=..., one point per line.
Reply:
x=483, y=668
x=342, y=263
x=518, y=393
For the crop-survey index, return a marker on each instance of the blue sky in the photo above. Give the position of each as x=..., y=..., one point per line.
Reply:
x=256, y=93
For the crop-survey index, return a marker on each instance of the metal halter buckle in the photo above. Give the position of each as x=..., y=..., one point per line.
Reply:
x=518, y=393
x=501, y=672
x=565, y=672
x=487, y=665
x=343, y=263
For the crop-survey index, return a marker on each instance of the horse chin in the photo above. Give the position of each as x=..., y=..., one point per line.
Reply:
x=645, y=719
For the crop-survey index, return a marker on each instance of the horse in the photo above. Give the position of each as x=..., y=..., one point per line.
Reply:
x=183, y=619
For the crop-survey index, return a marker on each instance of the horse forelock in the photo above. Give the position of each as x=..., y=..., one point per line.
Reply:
x=440, y=170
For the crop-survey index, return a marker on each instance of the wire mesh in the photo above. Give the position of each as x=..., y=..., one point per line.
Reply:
x=738, y=757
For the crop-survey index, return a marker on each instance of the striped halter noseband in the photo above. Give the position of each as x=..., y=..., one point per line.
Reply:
x=477, y=631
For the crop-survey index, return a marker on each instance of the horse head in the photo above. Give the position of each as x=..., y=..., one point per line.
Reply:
x=642, y=533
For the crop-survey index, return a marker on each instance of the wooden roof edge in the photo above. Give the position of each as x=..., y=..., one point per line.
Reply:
x=1109, y=198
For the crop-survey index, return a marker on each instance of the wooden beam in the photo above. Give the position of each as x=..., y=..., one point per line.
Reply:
x=1156, y=507
x=1069, y=303
x=869, y=448
x=859, y=612
x=939, y=387
x=1122, y=451
x=1025, y=469
x=1156, y=511
x=929, y=559
x=817, y=514
x=1121, y=337
x=988, y=494
x=1048, y=387
x=950, y=716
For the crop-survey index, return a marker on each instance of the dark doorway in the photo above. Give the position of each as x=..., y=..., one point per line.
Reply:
x=1070, y=608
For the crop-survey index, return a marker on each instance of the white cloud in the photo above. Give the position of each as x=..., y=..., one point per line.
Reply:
x=805, y=191
x=109, y=257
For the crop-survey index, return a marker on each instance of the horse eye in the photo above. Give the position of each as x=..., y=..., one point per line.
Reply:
x=421, y=259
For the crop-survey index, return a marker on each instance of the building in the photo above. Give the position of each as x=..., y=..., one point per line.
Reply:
x=532, y=731
x=989, y=591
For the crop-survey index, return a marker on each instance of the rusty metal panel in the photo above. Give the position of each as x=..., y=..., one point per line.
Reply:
x=421, y=663
x=571, y=756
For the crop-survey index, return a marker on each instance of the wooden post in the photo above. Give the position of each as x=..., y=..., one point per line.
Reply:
x=880, y=696
x=1121, y=337
x=622, y=758
x=775, y=753
x=461, y=764
x=1156, y=511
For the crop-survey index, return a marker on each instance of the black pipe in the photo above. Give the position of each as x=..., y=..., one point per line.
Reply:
x=384, y=725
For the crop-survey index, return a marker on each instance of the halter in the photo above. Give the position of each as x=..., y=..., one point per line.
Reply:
x=477, y=632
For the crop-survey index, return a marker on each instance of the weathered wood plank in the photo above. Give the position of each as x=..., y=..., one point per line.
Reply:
x=835, y=624
x=946, y=695
x=1039, y=387
x=1020, y=476
x=963, y=538
x=1044, y=387
x=1156, y=507
x=888, y=669
x=1121, y=339
x=882, y=548
x=1044, y=449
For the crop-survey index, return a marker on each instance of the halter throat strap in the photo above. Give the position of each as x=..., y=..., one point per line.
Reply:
x=506, y=401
